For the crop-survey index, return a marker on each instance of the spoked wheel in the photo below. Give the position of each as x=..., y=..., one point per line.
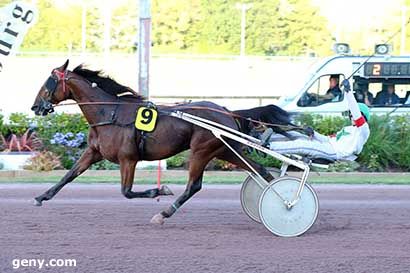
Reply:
x=250, y=193
x=286, y=221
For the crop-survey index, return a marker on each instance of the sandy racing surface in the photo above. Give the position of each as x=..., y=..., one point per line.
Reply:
x=359, y=229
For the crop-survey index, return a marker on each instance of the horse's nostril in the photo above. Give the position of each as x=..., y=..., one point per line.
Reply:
x=34, y=108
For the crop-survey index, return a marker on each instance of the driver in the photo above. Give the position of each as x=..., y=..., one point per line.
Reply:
x=315, y=99
x=344, y=145
x=333, y=91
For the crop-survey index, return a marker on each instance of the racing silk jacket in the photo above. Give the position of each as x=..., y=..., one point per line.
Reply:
x=349, y=141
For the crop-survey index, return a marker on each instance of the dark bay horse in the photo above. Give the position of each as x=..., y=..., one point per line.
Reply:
x=113, y=136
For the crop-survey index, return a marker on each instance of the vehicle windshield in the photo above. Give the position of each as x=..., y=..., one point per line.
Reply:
x=308, y=71
x=324, y=90
x=382, y=92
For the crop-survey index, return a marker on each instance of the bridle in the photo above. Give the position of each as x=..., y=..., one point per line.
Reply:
x=52, y=82
x=51, y=87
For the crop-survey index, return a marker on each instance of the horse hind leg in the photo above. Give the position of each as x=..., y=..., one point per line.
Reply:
x=198, y=162
x=196, y=169
x=193, y=186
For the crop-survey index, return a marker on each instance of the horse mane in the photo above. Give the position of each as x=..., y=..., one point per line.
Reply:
x=107, y=84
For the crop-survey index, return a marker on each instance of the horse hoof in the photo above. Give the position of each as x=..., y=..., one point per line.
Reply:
x=37, y=203
x=158, y=219
x=165, y=190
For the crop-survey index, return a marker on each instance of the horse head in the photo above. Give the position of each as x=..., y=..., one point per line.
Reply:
x=53, y=91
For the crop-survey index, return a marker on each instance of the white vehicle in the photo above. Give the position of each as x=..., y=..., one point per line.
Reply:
x=375, y=76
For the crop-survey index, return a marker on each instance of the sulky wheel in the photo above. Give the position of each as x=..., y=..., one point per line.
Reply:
x=250, y=194
x=286, y=221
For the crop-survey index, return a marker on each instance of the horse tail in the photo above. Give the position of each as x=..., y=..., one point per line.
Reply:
x=269, y=114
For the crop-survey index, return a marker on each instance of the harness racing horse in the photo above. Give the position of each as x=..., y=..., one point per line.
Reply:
x=113, y=136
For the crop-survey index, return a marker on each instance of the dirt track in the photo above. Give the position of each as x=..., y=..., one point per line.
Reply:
x=359, y=229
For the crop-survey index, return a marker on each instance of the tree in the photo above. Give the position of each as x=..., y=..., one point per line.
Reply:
x=95, y=27
x=124, y=26
x=220, y=27
x=174, y=23
x=291, y=27
x=57, y=29
x=274, y=27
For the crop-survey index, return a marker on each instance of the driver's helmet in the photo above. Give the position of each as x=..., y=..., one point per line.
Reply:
x=365, y=111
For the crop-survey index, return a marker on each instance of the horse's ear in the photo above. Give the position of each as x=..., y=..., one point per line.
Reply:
x=64, y=67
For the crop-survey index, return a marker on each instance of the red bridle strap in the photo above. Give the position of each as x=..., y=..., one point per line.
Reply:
x=61, y=76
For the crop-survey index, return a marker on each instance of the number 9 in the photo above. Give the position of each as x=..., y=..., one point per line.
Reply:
x=147, y=116
x=146, y=119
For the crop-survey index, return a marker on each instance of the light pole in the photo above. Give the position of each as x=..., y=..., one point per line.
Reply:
x=243, y=7
x=144, y=46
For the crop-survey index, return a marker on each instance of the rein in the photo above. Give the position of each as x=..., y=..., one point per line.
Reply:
x=181, y=108
x=110, y=122
x=62, y=76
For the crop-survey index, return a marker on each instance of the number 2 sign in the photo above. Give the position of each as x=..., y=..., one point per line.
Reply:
x=146, y=119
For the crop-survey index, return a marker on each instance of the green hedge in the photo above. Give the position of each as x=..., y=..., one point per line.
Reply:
x=46, y=127
x=388, y=145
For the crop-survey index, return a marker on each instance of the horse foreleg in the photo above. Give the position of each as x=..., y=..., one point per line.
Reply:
x=127, y=179
x=88, y=158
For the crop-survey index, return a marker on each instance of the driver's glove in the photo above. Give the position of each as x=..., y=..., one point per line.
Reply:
x=346, y=85
x=309, y=131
